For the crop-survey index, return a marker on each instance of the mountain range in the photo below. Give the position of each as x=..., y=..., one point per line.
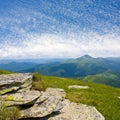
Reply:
x=87, y=68
x=79, y=67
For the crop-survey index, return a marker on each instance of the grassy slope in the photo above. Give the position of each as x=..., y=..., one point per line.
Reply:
x=103, y=97
x=109, y=78
x=5, y=72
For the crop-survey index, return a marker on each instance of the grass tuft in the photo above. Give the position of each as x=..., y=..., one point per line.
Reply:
x=38, y=83
x=8, y=113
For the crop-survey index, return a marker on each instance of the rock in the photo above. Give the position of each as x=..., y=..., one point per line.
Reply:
x=13, y=82
x=23, y=98
x=41, y=110
x=74, y=111
x=119, y=97
x=8, y=90
x=57, y=92
x=42, y=98
x=78, y=87
x=52, y=104
x=12, y=79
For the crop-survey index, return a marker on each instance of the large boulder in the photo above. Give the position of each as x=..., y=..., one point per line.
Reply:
x=74, y=111
x=13, y=82
x=53, y=103
x=21, y=98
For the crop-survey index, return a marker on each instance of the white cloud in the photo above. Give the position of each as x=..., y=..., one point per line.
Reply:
x=53, y=46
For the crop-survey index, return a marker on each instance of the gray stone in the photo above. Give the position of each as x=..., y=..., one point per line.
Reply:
x=74, y=111
x=57, y=92
x=42, y=98
x=12, y=82
x=23, y=98
x=8, y=90
x=78, y=87
x=14, y=79
x=52, y=104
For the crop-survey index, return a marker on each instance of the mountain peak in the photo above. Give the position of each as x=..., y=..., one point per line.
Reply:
x=85, y=57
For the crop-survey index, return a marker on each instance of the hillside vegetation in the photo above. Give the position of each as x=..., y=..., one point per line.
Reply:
x=79, y=67
x=109, y=78
x=104, y=98
x=5, y=72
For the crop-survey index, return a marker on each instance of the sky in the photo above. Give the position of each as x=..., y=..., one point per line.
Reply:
x=59, y=28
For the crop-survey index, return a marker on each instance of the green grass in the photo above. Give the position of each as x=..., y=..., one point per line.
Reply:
x=5, y=72
x=109, y=78
x=10, y=113
x=38, y=83
x=103, y=97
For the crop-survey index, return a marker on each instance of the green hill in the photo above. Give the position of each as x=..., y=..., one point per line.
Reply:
x=5, y=72
x=109, y=78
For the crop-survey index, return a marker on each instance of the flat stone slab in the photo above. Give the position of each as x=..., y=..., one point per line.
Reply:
x=24, y=98
x=8, y=90
x=52, y=104
x=41, y=110
x=12, y=82
x=74, y=111
x=78, y=87
x=42, y=98
x=14, y=79
x=57, y=92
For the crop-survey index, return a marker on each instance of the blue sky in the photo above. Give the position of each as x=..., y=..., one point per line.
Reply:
x=59, y=28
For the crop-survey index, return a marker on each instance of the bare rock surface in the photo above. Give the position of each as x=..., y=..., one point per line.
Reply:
x=74, y=111
x=78, y=87
x=11, y=79
x=23, y=98
x=13, y=82
x=51, y=104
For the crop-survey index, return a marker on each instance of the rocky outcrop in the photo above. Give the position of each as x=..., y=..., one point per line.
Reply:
x=15, y=90
x=13, y=82
x=74, y=111
x=21, y=98
x=53, y=103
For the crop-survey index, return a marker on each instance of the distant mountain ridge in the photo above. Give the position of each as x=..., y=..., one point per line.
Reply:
x=82, y=66
x=96, y=68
